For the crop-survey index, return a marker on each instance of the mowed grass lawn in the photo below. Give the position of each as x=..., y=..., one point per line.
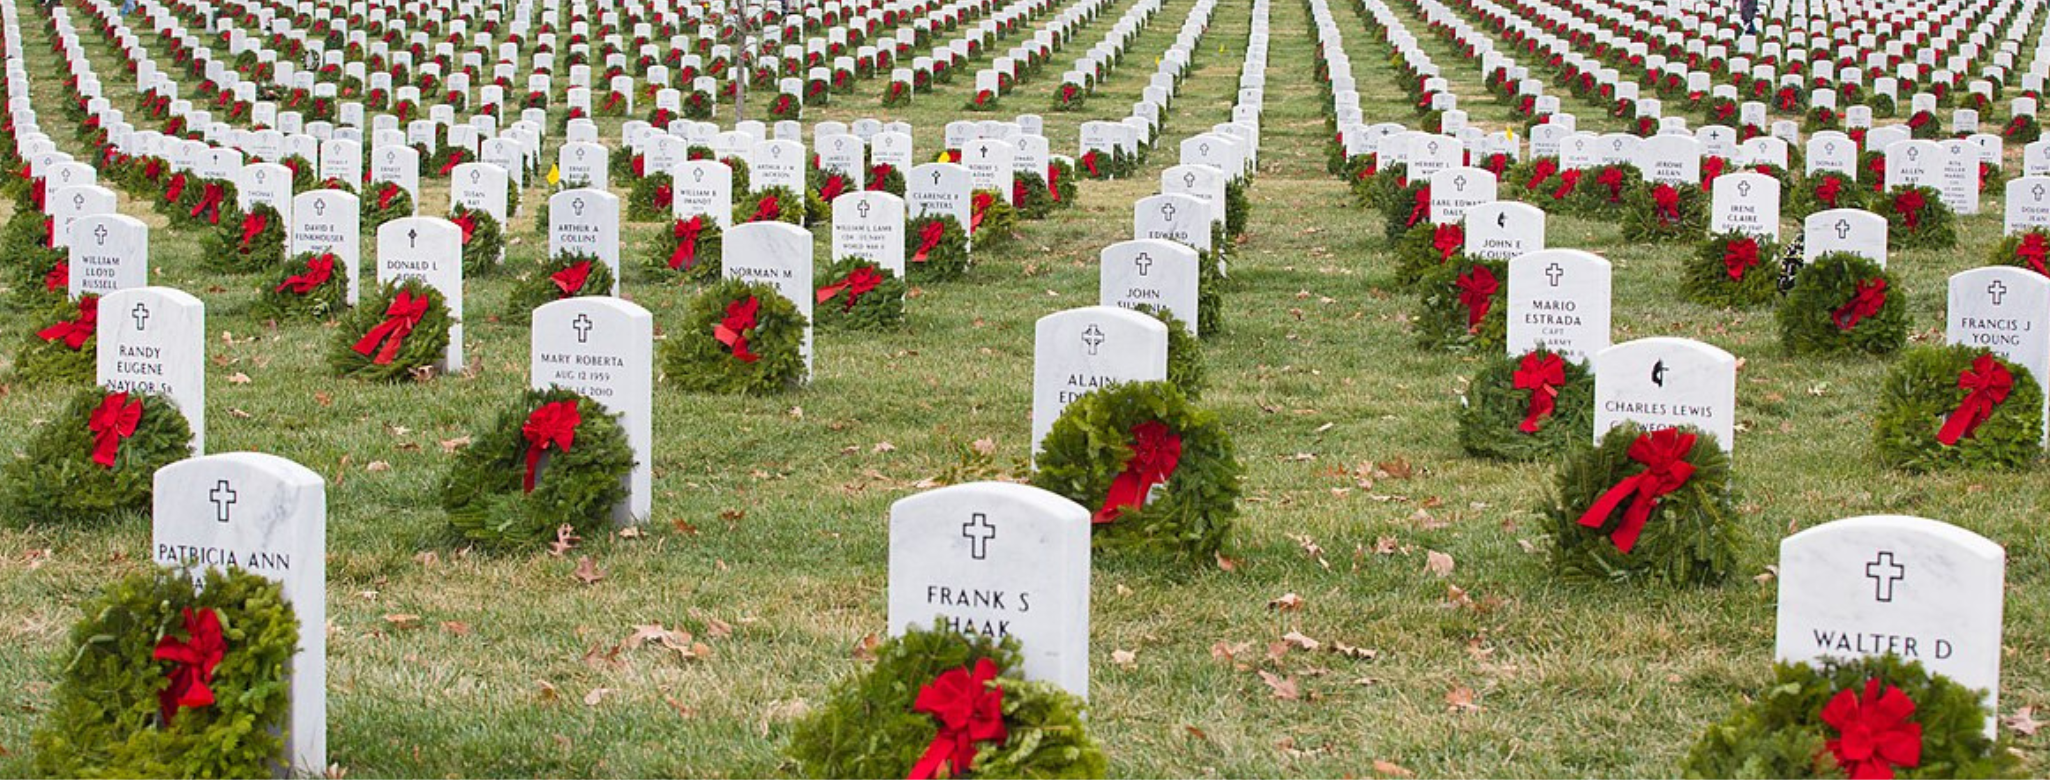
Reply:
x=768, y=541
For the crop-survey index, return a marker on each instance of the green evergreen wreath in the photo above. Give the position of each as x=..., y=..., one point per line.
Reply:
x=484, y=493
x=1604, y=188
x=426, y=345
x=192, y=195
x=42, y=361
x=885, y=177
x=538, y=287
x=1238, y=209
x=1935, y=224
x=1921, y=392
x=1210, y=282
x=226, y=250
x=1423, y=250
x=1444, y=320
x=1065, y=182
x=2028, y=248
x=1724, y=274
x=773, y=204
x=1780, y=731
x=295, y=289
x=1089, y=448
x=818, y=209
x=57, y=481
x=38, y=275
x=1825, y=190
x=946, y=260
x=483, y=243
x=103, y=716
x=695, y=359
x=26, y=230
x=397, y=204
x=1492, y=414
x=737, y=167
x=1691, y=537
x=996, y=223
x=867, y=727
x=648, y=201
x=1030, y=196
x=1645, y=221
x=1185, y=368
x=881, y=307
x=1399, y=203
x=704, y=263
x=1812, y=318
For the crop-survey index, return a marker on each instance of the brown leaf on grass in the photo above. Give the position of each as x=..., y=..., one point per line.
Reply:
x=685, y=527
x=1229, y=652
x=566, y=539
x=402, y=621
x=1385, y=545
x=682, y=711
x=547, y=690
x=1398, y=468
x=238, y=378
x=457, y=443
x=1391, y=769
x=1296, y=638
x=1125, y=658
x=1349, y=651
x=1455, y=596
x=718, y=629
x=1286, y=602
x=632, y=532
x=1196, y=732
x=376, y=466
x=323, y=399
x=595, y=696
x=587, y=571
x=1226, y=564
x=2023, y=721
x=865, y=647
x=1438, y=563
x=428, y=559
x=456, y=627
x=1282, y=687
x=1461, y=699
x=1311, y=548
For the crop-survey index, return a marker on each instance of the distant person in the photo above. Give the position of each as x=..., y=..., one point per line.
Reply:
x=1749, y=10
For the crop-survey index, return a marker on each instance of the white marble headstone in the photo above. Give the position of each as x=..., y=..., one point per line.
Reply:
x=777, y=254
x=153, y=340
x=1082, y=349
x=1151, y=272
x=604, y=347
x=1559, y=299
x=429, y=249
x=108, y=252
x=1663, y=382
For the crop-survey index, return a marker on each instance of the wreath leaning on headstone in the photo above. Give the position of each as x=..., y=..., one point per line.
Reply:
x=992, y=221
x=1160, y=472
x=1732, y=270
x=1876, y=716
x=96, y=459
x=387, y=201
x=770, y=204
x=306, y=286
x=399, y=328
x=1062, y=182
x=1843, y=302
x=1462, y=305
x=1185, y=367
x=739, y=337
x=650, y=198
x=1603, y=188
x=935, y=248
x=940, y=703
x=1645, y=505
x=246, y=242
x=1528, y=406
x=690, y=246
x=1424, y=249
x=562, y=275
x=1823, y=190
x=1917, y=219
x=555, y=458
x=884, y=177
x=166, y=676
x=857, y=294
x=2029, y=248
x=1663, y=212
x=483, y=239
x=1958, y=407
x=822, y=188
x=1030, y=195
x=65, y=350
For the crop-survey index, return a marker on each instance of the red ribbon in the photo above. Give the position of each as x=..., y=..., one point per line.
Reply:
x=640, y=165
x=1420, y=208
x=210, y=203
x=664, y=196
x=1568, y=181
x=37, y=190
x=1739, y=256
x=1089, y=161
x=686, y=231
x=115, y=419
x=1866, y=302
x=468, y=223
x=318, y=271
x=1611, y=178
x=1828, y=190
x=50, y=232
x=2032, y=251
x=878, y=175
x=554, y=424
x=74, y=332
x=1986, y=385
x=1540, y=171
x=1663, y=453
x=455, y=158
x=1156, y=452
x=1873, y=732
x=1665, y=202
x=732, y=330
x=1447, y=239
x=571, y=280
x=1477, y=289
x=1542, y=375
x=969, y=710
x=857, y=284
x=834, y=185
x=400, y=317
x=194, y=660
x=1909, y=205
x=59, y=277
x=1053, y=182
x=385, y=196
x=1711, y=167
x=978, y=205
x=928, y=239
x=253, y=224
x=767, y=208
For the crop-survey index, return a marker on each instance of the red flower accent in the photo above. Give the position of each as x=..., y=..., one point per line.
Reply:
x=969, y=709
x=552, y=425
x=74, y=332
x=194, y=659
x=1477, y=290
x=1542, y=375
x=2032, y=250
x=1873, y=731
x=570, y=281
x=1663, y=453
x=1986, y=384
x=732, y=330
x=1156, y=452
x=1446, y=239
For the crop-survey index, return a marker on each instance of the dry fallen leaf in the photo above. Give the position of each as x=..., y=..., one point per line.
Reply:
x=402, y=621
x=456, y=627
x=238, y=378
x=1196, y=732
x=2023, y=721
x=1391, y=769
x=457, y=443
x=1283, y=687
x=377, y=466
x=1287, y=602
x=1460, y=699
x=548, y=690
x=1296, y=638
x=1124, y=658
x=565, y=538
x=1438, y=563
x=1229, y=651
x=596, y=695
x=865, y=648
x=587, y=571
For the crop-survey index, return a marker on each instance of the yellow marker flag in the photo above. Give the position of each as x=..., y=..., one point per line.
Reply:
x=941, y=158
x=554, y=175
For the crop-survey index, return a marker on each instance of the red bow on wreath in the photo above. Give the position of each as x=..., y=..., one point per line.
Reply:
x=253, y=224
x=2032, y=251
x=1665, y=203
x=1873, y=732
x=1539, y=172
x=1053, y=182
x=1542, y=375
x=554, y=424
x=385, y=196
x=318, y=271
x=400, y=317
x=74, y=332
x=113, y=420
x=928, y=239
x=1711, y=167
x=878, y=175
x=978, y=206
x=455, y=158
x=1477, y=289
x=1568, y=181
x=210, y=203
x=732, y=330
x=1663, y=453
x=858, y=283
x=1447, y=239
x=570, y=281
x=195, y=659
x=1829, y=190
x=1867, y=301
x=969, y=710
x=1909, y=205
x=59, y=277
x=1089, y=161
x=1740, y=256
x=1156, y=452
x=1421, y=207
x=1986, y=384
x=768, y=208
x=468, y=223
x=1612, y=178
x=834, y=185
x=664, y=197
x=686, y=232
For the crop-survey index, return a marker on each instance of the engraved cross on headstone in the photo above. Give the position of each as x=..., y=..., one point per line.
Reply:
x=978, y=531
x=100, y=235
x=582, y=325
x=1167, y=211
x=320, y=207
x=861, y=209
x=1997, y=290
x=141, y=315
x=577, y=206
x=1144, y=261
x=223, y=497
x=1743, y=189
x=1553, y=273
x=1884, y=574
x=413, y=238
x=1093, y=337
x=1843, y=229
